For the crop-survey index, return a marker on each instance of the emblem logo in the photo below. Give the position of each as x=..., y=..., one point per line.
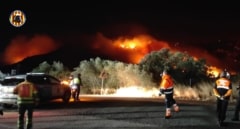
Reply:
x=17, y=18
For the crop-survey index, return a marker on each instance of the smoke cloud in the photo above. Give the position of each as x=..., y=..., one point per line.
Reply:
x=22, y=47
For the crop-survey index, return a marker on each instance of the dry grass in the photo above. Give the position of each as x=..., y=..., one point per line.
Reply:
x=202, y=92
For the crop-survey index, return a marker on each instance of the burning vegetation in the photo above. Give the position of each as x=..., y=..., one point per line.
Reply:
x=130, y=49
x=145, y=58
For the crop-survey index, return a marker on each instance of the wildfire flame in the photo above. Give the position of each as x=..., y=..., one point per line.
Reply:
x=213, y=71
x=136, y=91
x=129, y=49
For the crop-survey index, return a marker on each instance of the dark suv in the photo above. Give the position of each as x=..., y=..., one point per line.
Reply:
x=48, y=86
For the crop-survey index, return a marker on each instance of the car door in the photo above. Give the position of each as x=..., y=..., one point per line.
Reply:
x=55, y=87
x=44, y=89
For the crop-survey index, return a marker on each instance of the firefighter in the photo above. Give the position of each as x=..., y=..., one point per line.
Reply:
x=222, y=90
x=166, y=88
x=26, y=100
x=237, y=107
x=78, y=82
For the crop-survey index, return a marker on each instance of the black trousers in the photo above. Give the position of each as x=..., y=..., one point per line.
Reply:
x=22, y=109
x=222, y=109
x=1, y=108
x=169, y=100
x=76, y=97
x=237, y=108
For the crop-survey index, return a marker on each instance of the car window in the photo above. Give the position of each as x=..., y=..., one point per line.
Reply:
x=53, y=80
x=12, y=81
x=39, y=79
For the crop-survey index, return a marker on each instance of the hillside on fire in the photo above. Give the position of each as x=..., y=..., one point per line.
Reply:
x=193, y=77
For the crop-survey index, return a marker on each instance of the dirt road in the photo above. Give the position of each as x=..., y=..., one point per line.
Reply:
x=94, y=112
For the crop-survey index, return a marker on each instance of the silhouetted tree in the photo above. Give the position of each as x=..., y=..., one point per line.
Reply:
x=184, y=68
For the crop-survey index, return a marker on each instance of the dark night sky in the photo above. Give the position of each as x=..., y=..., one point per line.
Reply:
x=199, y=25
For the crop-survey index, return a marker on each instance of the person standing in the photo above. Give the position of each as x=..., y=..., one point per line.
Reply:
x=222, y=90
x=1, y=109
x=26, y=100
x=237, y=107
x=166, y=88
x=78, y=82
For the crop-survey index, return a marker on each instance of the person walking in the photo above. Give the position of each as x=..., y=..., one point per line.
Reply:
x=237, y=107
x=222, y=90
x=166, y=88
x=26, y=100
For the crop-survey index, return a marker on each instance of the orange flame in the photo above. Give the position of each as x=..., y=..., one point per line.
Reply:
x=128, y=49
x=213, y=71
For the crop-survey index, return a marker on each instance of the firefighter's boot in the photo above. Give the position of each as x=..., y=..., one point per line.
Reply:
x=168, y=113
x=176, y=108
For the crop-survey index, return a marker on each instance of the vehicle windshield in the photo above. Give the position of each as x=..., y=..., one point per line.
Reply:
x=12, y=81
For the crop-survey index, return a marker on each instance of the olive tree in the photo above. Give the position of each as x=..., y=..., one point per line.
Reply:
x=56, y=69
x=118, y=74
x=183, y=67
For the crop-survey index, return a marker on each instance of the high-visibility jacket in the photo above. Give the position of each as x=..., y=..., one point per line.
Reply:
x=223, y=87
x=27, y=93
x=166, y=84
x=76, y=81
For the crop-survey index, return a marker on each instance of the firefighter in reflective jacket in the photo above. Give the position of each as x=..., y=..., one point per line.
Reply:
x=222, y=90
x=26, y=100
x=78, y=82
x=166, y=88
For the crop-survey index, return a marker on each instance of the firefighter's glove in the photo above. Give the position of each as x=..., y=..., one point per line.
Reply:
x=221, y=97
x=161, y=92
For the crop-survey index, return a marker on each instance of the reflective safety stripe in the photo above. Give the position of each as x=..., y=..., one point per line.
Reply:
x=25, y=101
x=223, y=87
x=168, y=90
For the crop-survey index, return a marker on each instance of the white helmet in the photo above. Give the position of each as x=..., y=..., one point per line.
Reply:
x=225, y=74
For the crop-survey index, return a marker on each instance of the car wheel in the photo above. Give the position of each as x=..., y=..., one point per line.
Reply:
x=66, y=97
